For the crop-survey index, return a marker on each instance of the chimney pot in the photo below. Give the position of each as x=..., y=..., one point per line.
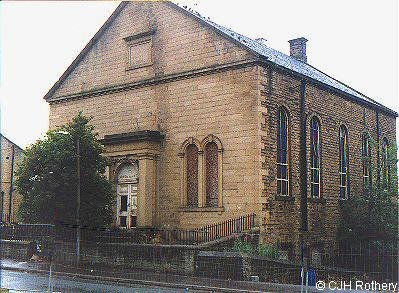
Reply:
x=298, y=49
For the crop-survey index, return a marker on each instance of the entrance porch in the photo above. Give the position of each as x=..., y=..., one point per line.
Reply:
x=133, y=168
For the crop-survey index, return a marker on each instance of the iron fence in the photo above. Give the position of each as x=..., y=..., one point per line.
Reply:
x=376, y=260
x=67, y=232
x=135, y=252
x=26, y=232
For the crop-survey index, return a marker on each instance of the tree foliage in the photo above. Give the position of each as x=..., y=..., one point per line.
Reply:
x=47, y=178
x=373, y=215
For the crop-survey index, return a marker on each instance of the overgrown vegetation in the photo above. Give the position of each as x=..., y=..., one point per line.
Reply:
x=267, y=250
x=47, y=178
x=373, y=215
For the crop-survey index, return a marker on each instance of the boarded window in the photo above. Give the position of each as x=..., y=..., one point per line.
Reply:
x=366, y=156
x=192, y=175
x=343, y=163
x=211, y=168
x=282, y=154
x=315, y=158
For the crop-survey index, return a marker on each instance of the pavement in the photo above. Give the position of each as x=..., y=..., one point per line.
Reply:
x=147, y=278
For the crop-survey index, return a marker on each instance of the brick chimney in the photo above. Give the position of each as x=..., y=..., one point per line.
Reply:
x=298, y=49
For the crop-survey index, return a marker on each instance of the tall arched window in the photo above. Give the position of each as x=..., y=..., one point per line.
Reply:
x=201, y=173
x=282, y=154
x=366, y=154
x=211, y=174
x=343, y=163
x=385, y=164
x=315, y=157
x=192, y=175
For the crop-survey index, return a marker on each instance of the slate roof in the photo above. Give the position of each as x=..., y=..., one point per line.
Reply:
x=258, y=48
x=287, y=61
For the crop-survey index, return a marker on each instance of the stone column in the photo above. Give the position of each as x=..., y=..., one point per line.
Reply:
x=146, y=198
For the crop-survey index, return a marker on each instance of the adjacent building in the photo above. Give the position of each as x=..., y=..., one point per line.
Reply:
x=203, y=124
x=10, y=155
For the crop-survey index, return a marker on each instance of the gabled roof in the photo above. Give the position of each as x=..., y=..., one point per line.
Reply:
x=287, y=61
x=86, y=49
x=260, y=49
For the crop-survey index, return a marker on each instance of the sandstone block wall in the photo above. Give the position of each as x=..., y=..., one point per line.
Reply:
x=222, y=103
x=281, y=216
x=7, y=149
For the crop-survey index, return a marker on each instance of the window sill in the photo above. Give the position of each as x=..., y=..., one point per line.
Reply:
x=317, y=200
x=133, y=67
x=202, y=209
x=284, y=198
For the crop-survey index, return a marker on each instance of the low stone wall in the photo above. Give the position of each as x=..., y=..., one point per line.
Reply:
x=165, y=258
x=160, y=258
x=187, y=260
x=13, y=249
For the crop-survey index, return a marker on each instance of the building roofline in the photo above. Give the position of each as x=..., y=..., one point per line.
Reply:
x=88, y=46
x=371, y=101
x=13, y=143
x=335, y=90
x=201, y=20
x=241, y=43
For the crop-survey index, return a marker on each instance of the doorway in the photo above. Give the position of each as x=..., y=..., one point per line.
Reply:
x=127, y=187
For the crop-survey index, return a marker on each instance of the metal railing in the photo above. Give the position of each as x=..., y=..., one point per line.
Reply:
x=66, y=233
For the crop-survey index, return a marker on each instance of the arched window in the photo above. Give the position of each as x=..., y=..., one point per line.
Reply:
x=385, y=164
x=366, y=154
x=282, y=154
x=192, y=175
x=343, y=163
x=315, y=157
x=202, y=173
x=211, y=174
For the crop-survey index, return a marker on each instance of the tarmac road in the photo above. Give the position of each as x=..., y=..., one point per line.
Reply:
x=32, y=282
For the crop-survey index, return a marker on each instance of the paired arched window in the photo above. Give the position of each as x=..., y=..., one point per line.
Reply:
x=315, y=158
x=385, y=164
x=202, y=168
x=192, y=175
x=366, y=157
x=343, y=163
x=282, y=154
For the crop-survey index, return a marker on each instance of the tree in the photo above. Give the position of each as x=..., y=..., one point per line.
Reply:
x=373, y=215
x=47, y=178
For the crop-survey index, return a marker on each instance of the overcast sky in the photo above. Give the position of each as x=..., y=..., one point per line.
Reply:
x=354, y=41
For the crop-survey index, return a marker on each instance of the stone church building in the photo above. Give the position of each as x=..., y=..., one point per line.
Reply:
x=203, y=124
